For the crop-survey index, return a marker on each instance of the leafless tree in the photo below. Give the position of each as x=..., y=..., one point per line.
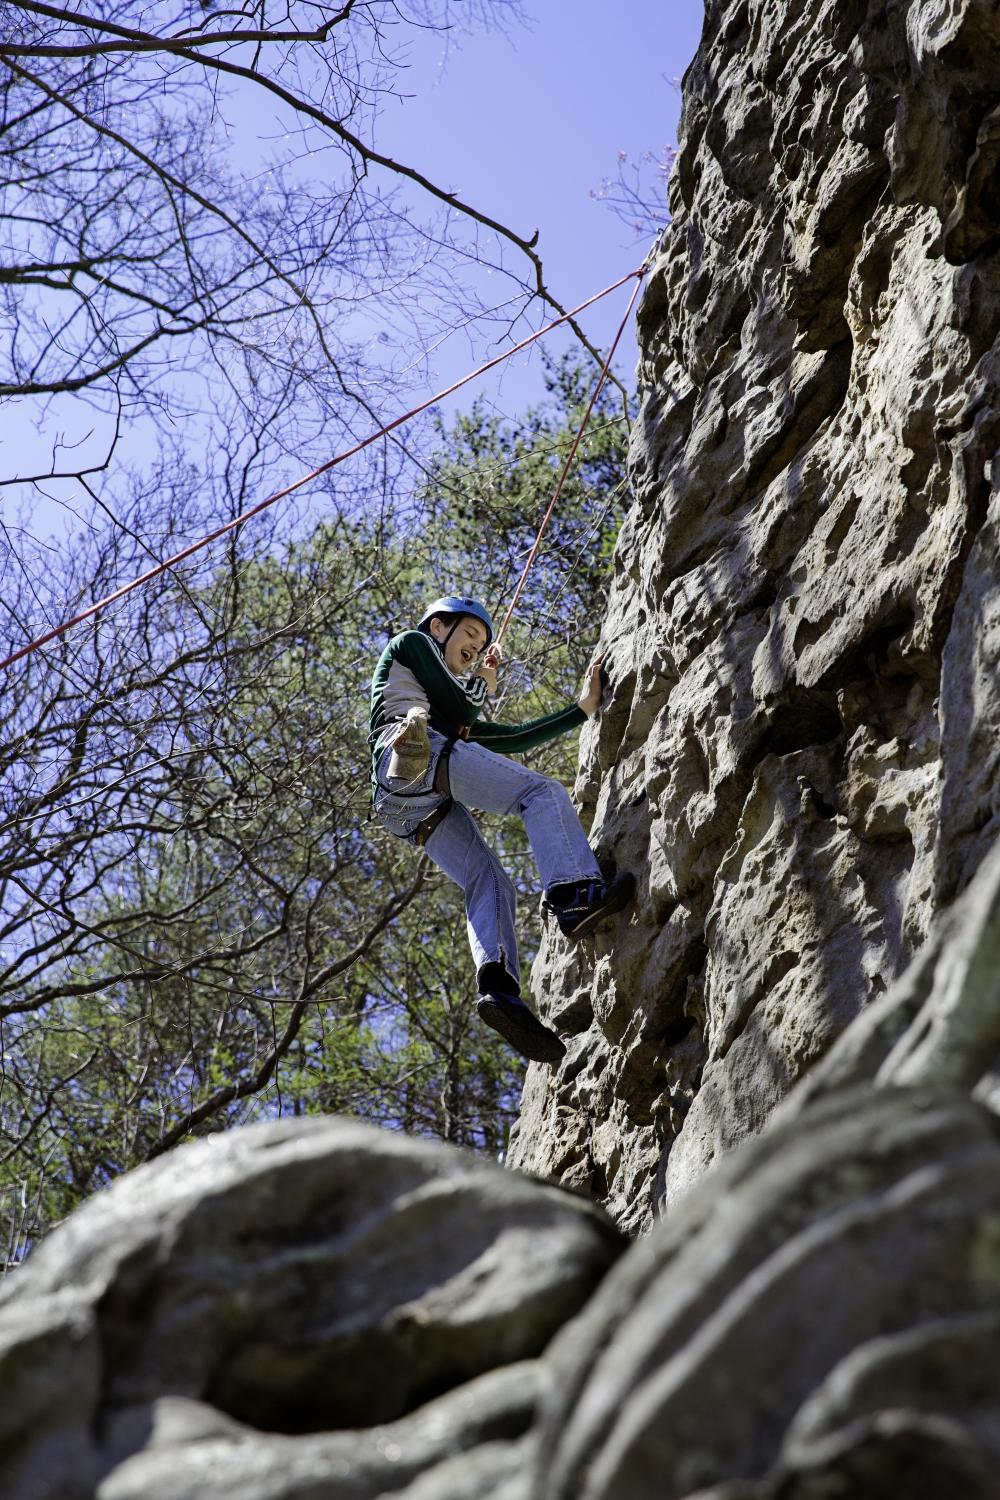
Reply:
x=168, y=266
x=211, y=279
x=637, y=193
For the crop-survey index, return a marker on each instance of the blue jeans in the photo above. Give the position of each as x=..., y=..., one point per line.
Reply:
x=496, y=784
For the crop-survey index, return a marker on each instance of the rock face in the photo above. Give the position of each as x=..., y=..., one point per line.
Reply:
x=801, y=752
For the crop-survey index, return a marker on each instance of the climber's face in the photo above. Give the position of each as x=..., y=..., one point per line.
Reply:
x=462, y=645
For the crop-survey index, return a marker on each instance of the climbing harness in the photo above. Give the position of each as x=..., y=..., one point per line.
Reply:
x=442, y=785
x=440, y=788
x=262, y=505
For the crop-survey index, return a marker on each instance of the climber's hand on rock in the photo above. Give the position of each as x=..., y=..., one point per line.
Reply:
x=593, y=687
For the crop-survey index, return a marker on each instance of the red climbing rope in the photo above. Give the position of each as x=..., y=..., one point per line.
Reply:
x=255, y=510
x=572, y=454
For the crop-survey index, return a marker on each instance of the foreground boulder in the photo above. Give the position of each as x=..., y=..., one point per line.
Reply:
x=301, y=1277
x=323, y=1311
x=329, y=1312
x=820, y=1320
x=469, y=1444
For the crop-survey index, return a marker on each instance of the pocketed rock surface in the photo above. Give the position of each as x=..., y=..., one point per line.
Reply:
x=799, y=754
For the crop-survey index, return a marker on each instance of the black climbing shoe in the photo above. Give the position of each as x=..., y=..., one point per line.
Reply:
x=519, y=1026
x=579, y=908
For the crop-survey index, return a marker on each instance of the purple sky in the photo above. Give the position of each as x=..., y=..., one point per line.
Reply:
x=523, y=126
x=526, y=126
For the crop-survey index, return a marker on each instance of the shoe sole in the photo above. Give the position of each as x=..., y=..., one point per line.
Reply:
x=620, y=893
x=536, y=1043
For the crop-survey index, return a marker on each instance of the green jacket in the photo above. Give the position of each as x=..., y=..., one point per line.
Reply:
x=411, y=672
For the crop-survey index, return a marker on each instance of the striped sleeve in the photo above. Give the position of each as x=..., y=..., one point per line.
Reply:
x=450, y=698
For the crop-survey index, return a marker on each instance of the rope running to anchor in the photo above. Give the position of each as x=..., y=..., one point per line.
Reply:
x=639, y=274
x=339, y=458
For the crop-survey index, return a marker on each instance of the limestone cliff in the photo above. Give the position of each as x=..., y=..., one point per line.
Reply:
x=800, y=752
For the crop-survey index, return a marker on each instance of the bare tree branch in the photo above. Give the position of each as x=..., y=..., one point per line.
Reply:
x=140, y=41
x=233, y=1091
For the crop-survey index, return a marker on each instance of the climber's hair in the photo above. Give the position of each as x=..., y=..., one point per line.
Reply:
x=445, y=619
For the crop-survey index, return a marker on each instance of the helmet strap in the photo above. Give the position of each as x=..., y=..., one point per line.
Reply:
x=451, y=632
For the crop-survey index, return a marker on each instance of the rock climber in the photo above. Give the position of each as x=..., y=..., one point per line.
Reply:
x=433, y=759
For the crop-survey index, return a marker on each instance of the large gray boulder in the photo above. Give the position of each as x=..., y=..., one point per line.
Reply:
x=819, y=1320
x=312, y=1276
x=474, y=1438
